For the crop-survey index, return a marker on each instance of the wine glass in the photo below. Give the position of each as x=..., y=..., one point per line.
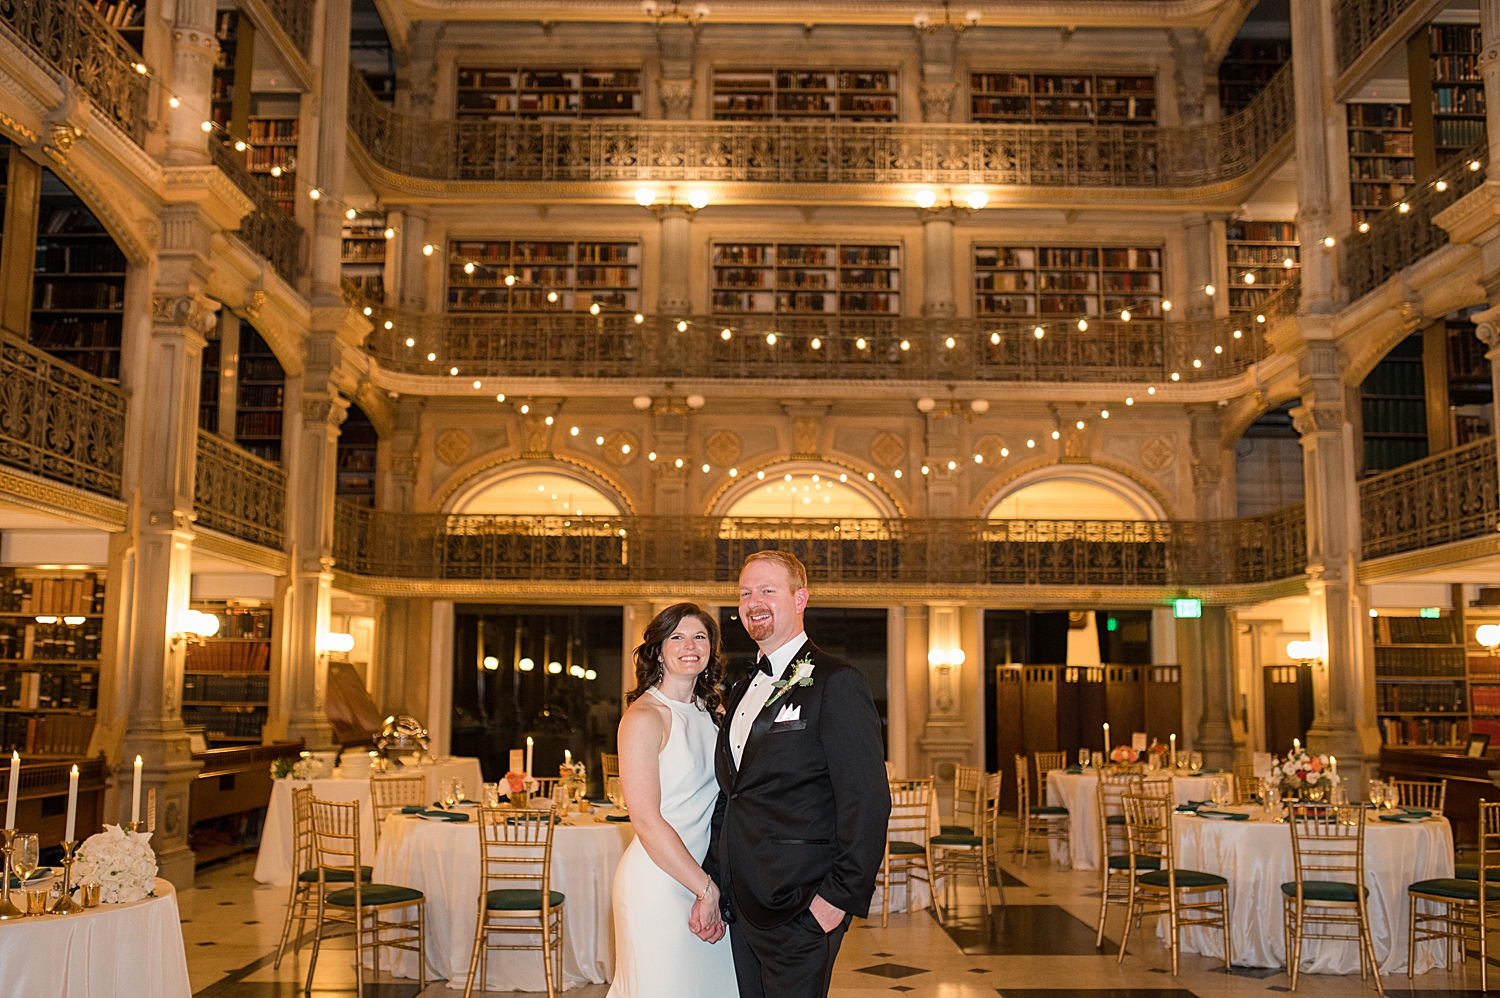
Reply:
x=1083, y=758
x=458, y=791
x=614, y=793
x=1195, y=761
x=445, y=794
x=492, y=795
x=1218, y=792
x=24, y=856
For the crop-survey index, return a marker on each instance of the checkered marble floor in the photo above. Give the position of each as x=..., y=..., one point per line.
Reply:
x=1039, y=945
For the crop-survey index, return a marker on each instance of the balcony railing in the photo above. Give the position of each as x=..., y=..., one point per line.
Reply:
x=57, y=422
x=614, y=345
x=1447, y=497
x=296, y=19
x=72, y=38
x=712, y=549
x=1358, y=25
x=1397, y=239
x=823, y=153
x=267, y=230
x=236, y=493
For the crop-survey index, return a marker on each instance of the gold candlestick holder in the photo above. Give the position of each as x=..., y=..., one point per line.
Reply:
x=65, y=905
x=135, y=826
x=8, y=908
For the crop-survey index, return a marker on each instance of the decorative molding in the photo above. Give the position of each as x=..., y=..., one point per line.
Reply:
x=937, y=101
x=621, y=448
x=676, y=97
x=59, y=500
x=888, y=450
x=466, y=478
x=723, y=448
x=453, y=447
x=242, y=552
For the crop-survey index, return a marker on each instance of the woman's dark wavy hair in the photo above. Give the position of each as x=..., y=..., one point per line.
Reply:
x=648, y=662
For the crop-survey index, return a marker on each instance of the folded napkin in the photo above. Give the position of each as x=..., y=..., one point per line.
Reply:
x=443, y=816
x=1403, y=819
x=1074, y=770
x=1184, y=809
x=1222, y=815
x=1209, y=772
x=617, y=817
x=40, y=873
x=1194, y=805
x=413, y=809
x=1417, y=812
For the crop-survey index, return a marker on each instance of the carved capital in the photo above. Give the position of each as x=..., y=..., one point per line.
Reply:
x=332, y=411
x=1308, y=420
x=1206, y=476
x=676, y=97
x=937, y=100
x=196, y=312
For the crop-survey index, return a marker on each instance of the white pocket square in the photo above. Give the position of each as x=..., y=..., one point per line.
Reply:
x=789, y=712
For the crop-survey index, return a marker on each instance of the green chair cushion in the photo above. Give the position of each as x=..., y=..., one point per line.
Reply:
x=1461, y=871
x=901, y=848
x=1047, y=811
x=374, y=894
x=1143, y=863
x=957, y=840
x=334, y=876
x=1185, y=878
x=521, y=900
x=1458, y=890
x=1323, y=890
x=1114, y=819
x=957, y=830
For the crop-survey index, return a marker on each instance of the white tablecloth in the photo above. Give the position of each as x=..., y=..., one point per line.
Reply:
x=1256, y=858
x=112, y=951
x=920, y=890
x=441, y=859
x=1075, y=791
x=274, y=864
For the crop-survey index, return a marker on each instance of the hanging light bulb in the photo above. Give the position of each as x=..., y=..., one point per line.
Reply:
x=1166, y=305
x=639, y=318
x=1208, y=289
x=1249, y=278
x=469, y=267
x=1038, y=332
x=816, y=343
x=594, y=309
x=682, y=325
x=725, y=334
x=1124, y=315
x=1083, y=325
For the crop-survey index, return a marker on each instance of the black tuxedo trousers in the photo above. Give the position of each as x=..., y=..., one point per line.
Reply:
x=803, y=814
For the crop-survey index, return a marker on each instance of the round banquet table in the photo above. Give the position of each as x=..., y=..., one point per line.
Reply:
x=441, y=859
x=1075, y=791
x=112, y=951
x=1255, y=856
x=273, y=865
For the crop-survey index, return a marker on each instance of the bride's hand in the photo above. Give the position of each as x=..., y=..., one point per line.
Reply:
x=705, y=921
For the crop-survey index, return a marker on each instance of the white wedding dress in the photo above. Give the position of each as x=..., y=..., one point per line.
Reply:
x=656, y=955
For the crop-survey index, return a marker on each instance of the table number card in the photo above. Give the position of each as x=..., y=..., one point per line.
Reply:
x=1261, y=762
x=517, y=760
x=1138, y=741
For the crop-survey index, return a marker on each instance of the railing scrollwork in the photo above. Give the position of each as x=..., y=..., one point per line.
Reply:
x=267, y=230
x=1444, y=498
x=238, y=494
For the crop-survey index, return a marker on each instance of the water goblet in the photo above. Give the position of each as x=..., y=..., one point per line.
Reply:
x=1219, y=791
x=1097, y=760
x=1195, y=761
x=24, y=856
x=458, y=790
x=445, y=793
x=491, y=794
x=1338, y=795
x=614, y=793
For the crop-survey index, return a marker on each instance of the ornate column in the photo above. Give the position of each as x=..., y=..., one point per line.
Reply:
x=1315, y=107
x=411, y=286
x=1189, y=56
x=1215, y=734
x=938, y=299
x=421, y=70
x=677, y=47
x=194, y=51
x=1206, y=266
x=673, y=294
x=946, y=738
x=938, y=49
x=328, y=168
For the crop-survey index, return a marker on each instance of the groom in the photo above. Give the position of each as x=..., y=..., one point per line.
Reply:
x=799, y=828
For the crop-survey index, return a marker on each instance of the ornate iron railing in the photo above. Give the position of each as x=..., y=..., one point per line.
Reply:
x=832, y=152
x=712, y=549
x=1447, y=497
x=72, y=38
x=236, y=493
x=268, y=229
x=1358, y=25
x=57, y=422
x=1396, y=239
x=614, y=345
x=295, y=18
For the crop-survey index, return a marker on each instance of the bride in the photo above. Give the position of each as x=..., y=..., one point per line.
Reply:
x=667, y=739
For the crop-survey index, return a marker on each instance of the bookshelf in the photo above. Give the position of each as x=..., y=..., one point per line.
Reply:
x=806, y=279
x=209, y=380
x=1246, y=69
x=1050, y=98
x=226, y=680
x=356, y=456
x=51, y=629
x=363, y=256
x=1381, y=166
x=128, y=17
x=793, y=94
x=1267, y=252
x=226, y=30
x=1393, y=405
x=258, y=408
x=579, y=273
x=493, y=94
x=1483, y=671
x=1421, y=680
x=1471, y=392
x=273, y=157
x=1457, y=88
x=78, y=293
x=1065, y=281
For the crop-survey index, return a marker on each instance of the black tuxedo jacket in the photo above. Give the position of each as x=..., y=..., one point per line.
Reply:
x=805, y=811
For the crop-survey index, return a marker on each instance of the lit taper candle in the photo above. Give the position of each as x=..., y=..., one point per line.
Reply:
x=72, y=804
x=1106, y=738
x=15, y=783
x=135, y=794
x=528, y=755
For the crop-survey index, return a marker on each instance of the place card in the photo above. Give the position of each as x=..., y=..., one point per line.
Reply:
x=1138, y=741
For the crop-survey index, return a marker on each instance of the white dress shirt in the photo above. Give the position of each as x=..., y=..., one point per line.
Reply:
x=759, y=692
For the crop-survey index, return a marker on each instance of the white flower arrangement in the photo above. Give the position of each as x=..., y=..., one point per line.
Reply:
x=1303, y=770
x=121, y=862
x=305, y=768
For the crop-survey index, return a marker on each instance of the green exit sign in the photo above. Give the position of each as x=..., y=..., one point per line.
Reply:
x=1429, y=611
x=1187, y=608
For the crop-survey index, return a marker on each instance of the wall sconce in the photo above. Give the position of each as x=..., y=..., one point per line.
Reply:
x=1304, y=651
x=333, y=643
x=195, y=627
x=952, y=656
x=927, y=200
x=491, y=663
x=1488, y=635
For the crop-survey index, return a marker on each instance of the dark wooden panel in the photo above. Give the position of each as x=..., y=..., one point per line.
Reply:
x=1163, y=702
x=1010, y=727
x=1289, y=706
x=234, y=780
x=1124, y=700
x=1039, y=697
x=1468, y=779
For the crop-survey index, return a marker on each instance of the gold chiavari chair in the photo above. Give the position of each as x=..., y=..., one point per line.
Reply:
x=302, y=904
x=1182, y=895
x=908, y=854
x=955, y=854
x=1431, y=794
x=1328, y=859
x=1052, y=821
x=515, y=891
x=1245, y=787
x=389, y=794
x=1114, y=843
x=335, y=831
x=1045, y=763
x=544, y=787
x=1463, y=905
x=609, y=764
x=968, y=785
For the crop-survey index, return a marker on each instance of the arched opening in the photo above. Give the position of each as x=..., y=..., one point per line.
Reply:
x=536, y=493
x=805, y=495
x=1092, y=494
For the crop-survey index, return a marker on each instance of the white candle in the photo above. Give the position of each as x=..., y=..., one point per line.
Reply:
x=1174, y=750
x=135, y=795
x=1296, y=745
x=568, y=756
x=1333, y=764
x=15, y=784
x=72, y=804
x=528, y=755
x=1106, y=738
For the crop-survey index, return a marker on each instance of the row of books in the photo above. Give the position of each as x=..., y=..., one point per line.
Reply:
x=1424, y=698
x=1438, y=630
x=50, y=596
x=266, y=157
x=1486, y=699
x=1433, y=663
x=261, y=369
x=1458, y=100
x=359, y=251
x=94, y=257
x=1423, y=731
x=20, y=641
x=261, y=396
x=1262, y=256
x=51, y=735
x=229, y=656
x=508, y=79
x=1248, y=50
x=63, y=295
x=1456, y=69
x=1376, y=194
x=1373, y=143
x=1453, y=38
x=257, y=424
x=248, y=687
x=1261, y=232
x=121, y=15
x=273, y=130
x=73, y=332
x=1460, y=133
x=1399, y=170
x=1379, y=116
x=226, y=722
x=51, y=689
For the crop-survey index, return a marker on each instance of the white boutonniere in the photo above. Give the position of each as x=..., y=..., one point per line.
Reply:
x=801, y=675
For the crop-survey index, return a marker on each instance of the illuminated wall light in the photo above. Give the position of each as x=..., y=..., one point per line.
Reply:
x=526, y=665
x=1329, y=241
x=977, y=200
x=73, y=620
x=924, y=198
x=576, y=671
x=644, y=196
x=594, y=309
x=315, y=194
x=725, y=334
x=639, y=318
x=491, y=663
x=698, y=199
x=49, y=619
x=555, y=668
x=1209, y=289
x=427, y=250
x=590, y=675
x=552, y=296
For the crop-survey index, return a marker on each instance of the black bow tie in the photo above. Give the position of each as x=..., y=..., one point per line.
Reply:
x=764, y=664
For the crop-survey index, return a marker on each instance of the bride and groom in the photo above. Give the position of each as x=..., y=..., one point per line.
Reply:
x=761, y=814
